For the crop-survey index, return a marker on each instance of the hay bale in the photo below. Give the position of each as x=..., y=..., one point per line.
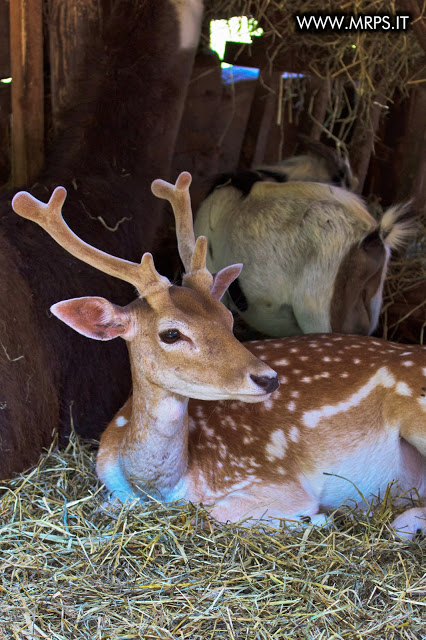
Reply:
x=72, y=568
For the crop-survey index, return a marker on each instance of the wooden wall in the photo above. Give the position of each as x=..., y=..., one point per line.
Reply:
x=223, y=127
x=229, y=126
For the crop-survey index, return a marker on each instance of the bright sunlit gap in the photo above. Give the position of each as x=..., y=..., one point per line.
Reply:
x=5, y=80
x=237, y=29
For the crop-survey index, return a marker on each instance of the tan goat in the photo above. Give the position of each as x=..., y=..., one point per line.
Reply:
x=314, y=258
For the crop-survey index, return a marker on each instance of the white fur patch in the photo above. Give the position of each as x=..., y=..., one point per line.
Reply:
x=281, y=363
x=277, y=445
x=121, y=421
x=294, y=434
x=403, y=389
x=382, y=378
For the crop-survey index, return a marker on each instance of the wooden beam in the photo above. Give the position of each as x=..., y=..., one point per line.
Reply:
x=71, y=24
x=412, y=165
x=362, y=141
x=4, y=39
x=4, y=93
x=260, y=120
x=256, y=55
x=321, y=96
x=26, y=57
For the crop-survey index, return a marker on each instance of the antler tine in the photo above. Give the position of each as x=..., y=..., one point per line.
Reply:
x=179, y=198
x=143, y=276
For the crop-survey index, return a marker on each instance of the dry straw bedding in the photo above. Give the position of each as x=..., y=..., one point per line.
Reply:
x=72, y=568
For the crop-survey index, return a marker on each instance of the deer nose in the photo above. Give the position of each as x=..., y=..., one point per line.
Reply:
x=269, y=384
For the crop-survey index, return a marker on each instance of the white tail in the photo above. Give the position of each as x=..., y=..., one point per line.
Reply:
x=347, y=420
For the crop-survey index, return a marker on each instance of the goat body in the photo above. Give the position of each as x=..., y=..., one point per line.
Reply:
x=314, y=258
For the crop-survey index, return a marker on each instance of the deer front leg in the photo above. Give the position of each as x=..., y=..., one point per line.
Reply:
x=269, y=504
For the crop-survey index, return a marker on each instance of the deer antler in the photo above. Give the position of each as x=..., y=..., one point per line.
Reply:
x=193, y=253
x=143, y=276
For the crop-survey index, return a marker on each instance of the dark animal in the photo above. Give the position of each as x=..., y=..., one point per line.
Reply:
x=107, y=154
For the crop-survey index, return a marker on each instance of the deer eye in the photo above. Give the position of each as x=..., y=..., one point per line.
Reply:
x=170, y=336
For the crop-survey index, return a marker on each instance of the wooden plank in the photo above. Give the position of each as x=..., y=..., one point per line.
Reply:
x=71, y=24
x=321, y=96
x=256, y=55
x=4, y=39
x=4, y=93
x=412, y=165
x=26, y=55
x=260, y=120
x=362, y=141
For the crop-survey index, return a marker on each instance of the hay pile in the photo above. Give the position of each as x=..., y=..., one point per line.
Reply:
x=70, y=568
x=371, y=61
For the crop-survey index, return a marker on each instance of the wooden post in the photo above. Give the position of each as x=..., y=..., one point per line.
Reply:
x=71, y=24
x=412, y=152
x=321, y=93
x=4, y=93
x=363, y=141
x=26, y=57
x=261, y=119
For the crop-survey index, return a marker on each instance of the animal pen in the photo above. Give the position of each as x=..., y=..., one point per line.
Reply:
x=72, y=566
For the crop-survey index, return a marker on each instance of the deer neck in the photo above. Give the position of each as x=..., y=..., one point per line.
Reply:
x=156, y=442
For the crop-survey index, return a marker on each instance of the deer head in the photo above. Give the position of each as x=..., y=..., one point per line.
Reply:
x=180, y=338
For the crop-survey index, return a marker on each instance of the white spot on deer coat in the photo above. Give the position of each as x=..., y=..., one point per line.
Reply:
x=403, y=389
x=353, y=475
x=294, y=434
x=382, y=378
x=277, y=445
x=407, y=363
x=120, y=421
x=281, y=363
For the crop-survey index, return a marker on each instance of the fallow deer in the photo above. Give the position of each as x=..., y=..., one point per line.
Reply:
x=118, y=136
x=347, y=419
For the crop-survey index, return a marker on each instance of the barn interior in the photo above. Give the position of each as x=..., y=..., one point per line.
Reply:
x=259, y=89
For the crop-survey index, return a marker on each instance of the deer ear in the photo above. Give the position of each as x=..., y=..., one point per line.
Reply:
x=95, y=318
x=223, y=278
